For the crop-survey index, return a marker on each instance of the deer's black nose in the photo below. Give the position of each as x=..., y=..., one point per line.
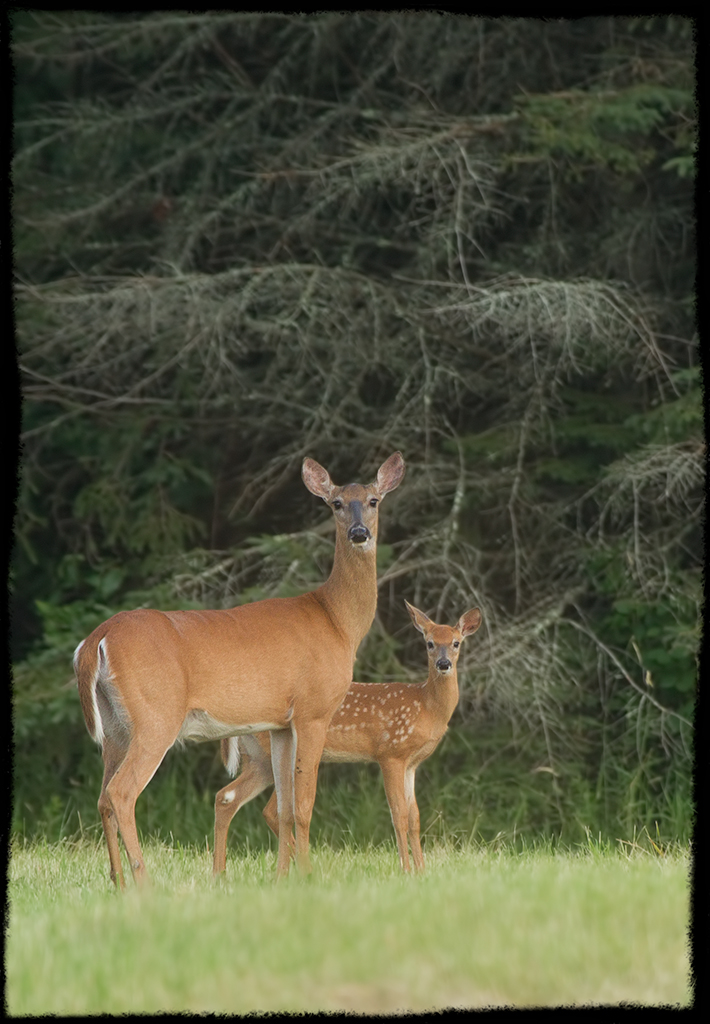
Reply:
x=443, y=664
x=358, y=533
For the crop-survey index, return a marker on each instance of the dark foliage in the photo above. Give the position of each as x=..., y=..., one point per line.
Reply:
x=244, y=238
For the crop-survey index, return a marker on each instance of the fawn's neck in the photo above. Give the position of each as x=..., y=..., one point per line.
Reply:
x=441, y=693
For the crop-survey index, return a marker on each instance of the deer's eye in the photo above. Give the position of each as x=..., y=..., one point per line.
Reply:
x=430, y=644
x=456, y=643
x=373, y=502
x=337, y=504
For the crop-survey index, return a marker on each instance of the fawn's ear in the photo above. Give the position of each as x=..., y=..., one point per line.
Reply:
x=419, y=619
x=390, y=474
x=316, y=479
x=469, y=622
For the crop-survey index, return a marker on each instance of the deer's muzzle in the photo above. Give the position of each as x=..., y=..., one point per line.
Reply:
x=358, y=533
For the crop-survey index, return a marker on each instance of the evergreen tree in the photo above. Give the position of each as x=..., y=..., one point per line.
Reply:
x=243, y=238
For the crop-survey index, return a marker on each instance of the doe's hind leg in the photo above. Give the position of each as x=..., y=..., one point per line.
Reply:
x=113, y=754
x=145, y=753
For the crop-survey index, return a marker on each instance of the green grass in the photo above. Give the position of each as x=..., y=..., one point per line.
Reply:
x=483, y=927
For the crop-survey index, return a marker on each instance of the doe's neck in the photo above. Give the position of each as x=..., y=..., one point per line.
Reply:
x=350, y=592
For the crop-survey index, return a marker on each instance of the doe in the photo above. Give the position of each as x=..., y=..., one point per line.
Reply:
x=148, y=678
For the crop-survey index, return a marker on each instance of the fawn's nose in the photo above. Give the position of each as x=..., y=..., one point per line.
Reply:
x=443, y=664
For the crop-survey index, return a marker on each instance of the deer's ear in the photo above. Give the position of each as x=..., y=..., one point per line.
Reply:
x=390, y=474
x=469, y=622
x=419, y=619
x=316, y=479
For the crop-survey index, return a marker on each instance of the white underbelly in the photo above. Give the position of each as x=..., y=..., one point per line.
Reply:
x=199, y=726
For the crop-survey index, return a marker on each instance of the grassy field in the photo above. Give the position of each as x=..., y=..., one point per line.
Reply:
x=482, y=927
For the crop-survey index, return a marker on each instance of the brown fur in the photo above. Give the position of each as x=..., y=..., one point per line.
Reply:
x=283, y=664
x=398, y=725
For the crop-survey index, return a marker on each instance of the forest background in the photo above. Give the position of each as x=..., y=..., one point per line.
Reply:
x=244, y=238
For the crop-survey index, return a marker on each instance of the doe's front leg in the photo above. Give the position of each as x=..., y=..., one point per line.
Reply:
x=283, y=751
x=309, y=750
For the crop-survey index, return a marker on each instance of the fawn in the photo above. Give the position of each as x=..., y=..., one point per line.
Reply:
x=398, y=725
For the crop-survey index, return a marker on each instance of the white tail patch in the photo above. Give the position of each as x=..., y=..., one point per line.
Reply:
x=76, y=655
x=113, y=720
x=102, y=671
x=232, y=763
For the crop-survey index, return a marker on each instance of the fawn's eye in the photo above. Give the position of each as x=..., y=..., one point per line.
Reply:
x=337, y=504
x=456, y=643
x=430, y=644
x=373, y=502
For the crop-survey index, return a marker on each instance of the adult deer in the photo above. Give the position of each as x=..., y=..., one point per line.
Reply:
x=398, y=725
x=148, y=678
